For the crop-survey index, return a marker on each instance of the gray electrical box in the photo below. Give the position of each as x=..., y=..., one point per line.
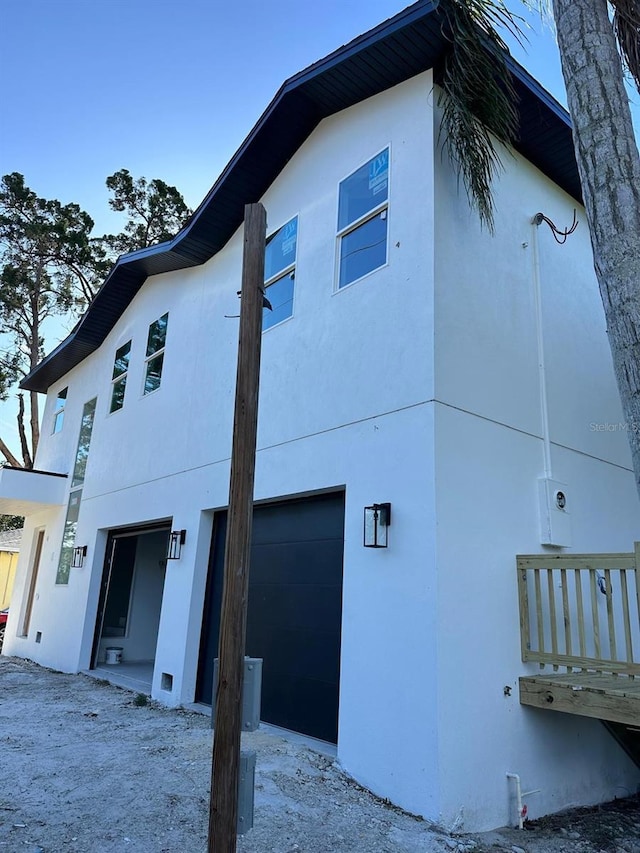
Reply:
x=246, y=787
x=251, y=692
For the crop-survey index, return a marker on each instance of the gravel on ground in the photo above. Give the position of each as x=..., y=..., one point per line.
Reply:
x=91, y=768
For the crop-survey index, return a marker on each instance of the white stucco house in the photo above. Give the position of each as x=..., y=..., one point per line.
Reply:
x=412, y=359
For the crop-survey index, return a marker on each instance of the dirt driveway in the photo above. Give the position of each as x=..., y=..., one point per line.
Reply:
x=87, y=770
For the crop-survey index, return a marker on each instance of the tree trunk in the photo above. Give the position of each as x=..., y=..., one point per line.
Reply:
x=609, y=167
x=28, y=461
x=35, y=424
x=8, y=455
x=34, y=358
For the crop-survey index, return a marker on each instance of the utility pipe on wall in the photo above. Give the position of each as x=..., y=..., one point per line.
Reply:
x=522, y=808
x=542, y=374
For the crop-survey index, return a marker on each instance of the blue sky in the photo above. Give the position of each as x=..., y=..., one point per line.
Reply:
x=164, y=89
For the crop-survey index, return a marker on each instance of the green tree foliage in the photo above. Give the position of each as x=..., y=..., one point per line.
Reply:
x=48, y=269
x=51, y=265
x=11, y=522
x=155, y=211
x=479, y=102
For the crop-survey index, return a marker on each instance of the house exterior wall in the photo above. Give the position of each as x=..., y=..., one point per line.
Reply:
x=346, y=389
x=489, y=455
x=417, y=385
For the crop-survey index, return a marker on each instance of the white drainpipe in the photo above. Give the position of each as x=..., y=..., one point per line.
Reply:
x=522, y=807
x=542, y=373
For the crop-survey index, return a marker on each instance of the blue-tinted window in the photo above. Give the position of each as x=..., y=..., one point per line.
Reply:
x=362, y=219
x=280, y=257
x=280, y=296
x=280, y=251
x=363, y=191
x=363, y=249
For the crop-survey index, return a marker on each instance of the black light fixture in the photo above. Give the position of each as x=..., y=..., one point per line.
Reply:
x=377, y=519
x=176, y=541
x=79, y=553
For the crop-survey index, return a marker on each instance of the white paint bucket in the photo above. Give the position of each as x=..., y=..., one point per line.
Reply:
x=114, y=655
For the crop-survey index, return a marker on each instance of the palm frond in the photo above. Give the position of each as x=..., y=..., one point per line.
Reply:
x=479, y=101
x=626, y=25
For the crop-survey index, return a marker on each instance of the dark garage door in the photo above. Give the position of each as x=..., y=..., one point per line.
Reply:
x=295, y=611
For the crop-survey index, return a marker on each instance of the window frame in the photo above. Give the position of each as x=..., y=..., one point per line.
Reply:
x=151, y=356
x=58, y=412
x=65, y=557
x=120, y=378
x=287, y=271
x=355, y=224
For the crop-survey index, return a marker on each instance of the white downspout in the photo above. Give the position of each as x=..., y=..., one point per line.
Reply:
x=542, y=374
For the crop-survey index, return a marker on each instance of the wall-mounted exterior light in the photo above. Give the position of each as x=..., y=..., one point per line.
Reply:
x=377, y=519
x=176, y=541
x=78, y=556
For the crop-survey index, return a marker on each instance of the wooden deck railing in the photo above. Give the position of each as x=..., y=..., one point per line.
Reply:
x=581, y=611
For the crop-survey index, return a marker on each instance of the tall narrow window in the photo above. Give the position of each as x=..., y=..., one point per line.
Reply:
x=84, y=440
x=69, y=537
x=119, y=377
x=362, y=220
x=75, y=496
x=155, y=354
x=58, y=412
x=279, y=273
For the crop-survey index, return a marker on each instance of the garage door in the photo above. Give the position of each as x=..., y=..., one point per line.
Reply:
x=295, y=611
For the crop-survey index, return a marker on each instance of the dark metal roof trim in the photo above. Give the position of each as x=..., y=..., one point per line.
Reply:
x=34, y=471
x=395, y=50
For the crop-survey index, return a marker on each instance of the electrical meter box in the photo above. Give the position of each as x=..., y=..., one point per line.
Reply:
x=555, y=513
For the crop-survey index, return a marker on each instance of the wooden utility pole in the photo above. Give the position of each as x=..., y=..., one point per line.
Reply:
x=223, y=814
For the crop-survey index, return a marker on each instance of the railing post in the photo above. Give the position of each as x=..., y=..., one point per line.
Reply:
x=523, y=601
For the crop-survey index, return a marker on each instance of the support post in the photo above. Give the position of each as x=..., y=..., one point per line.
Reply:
x=223, y=813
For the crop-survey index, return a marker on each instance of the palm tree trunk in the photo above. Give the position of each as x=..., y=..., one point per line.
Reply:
x=609, y=166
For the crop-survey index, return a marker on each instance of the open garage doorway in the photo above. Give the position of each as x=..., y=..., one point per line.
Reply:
x=128, y=619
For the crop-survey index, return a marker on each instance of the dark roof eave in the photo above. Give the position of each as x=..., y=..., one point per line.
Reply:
x=365, y=66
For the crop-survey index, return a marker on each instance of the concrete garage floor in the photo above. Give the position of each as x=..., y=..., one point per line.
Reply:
x=85, y=769
x=136, y=676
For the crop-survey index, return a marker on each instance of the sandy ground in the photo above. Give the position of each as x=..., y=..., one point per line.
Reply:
x=85, y=769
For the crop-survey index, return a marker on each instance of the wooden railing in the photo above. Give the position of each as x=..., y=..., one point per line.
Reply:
x=581, y=611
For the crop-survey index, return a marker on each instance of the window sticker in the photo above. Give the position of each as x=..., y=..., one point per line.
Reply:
x=379, y=172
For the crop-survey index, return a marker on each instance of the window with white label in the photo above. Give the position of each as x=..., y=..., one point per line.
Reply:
x=363, y=200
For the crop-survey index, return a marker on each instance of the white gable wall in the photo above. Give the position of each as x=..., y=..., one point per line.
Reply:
x=346, y=402
x=489, y=455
